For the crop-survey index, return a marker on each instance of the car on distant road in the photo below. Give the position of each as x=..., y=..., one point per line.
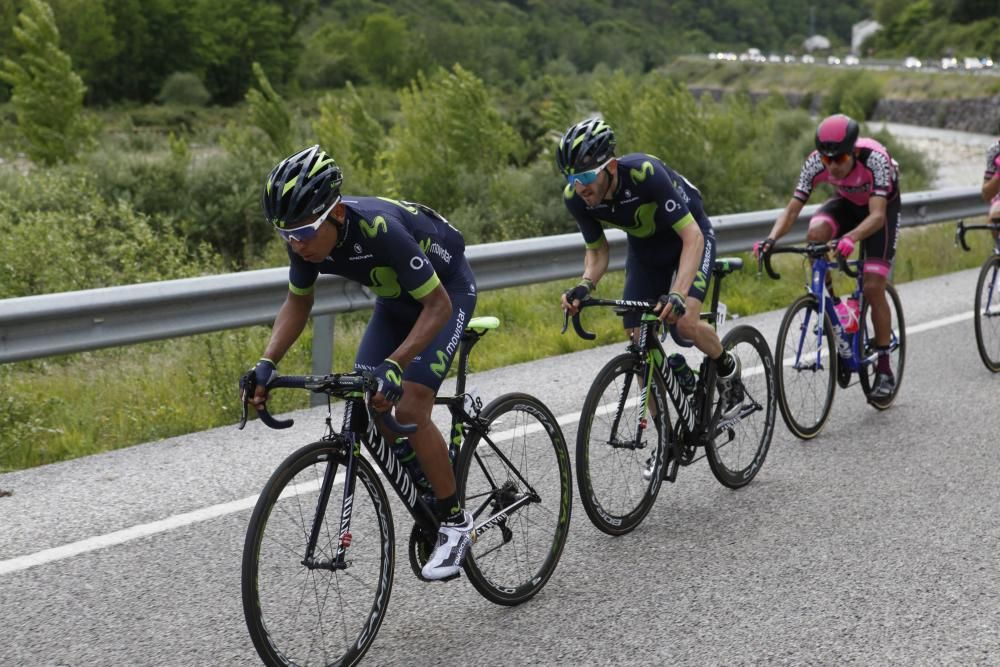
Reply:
x=852, y=59
x=808, y=59
x=789, y=58
x=832, y=60
x=971, y=63
x=949, y=63
x=912, y=63
x=774, y=58
x=987, y=61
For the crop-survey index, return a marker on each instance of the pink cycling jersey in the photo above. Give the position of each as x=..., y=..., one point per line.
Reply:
x=874, y=173
x=992, y=166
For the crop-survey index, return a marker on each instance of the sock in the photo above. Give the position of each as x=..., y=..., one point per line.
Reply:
x=883, y=365
x=448, y=509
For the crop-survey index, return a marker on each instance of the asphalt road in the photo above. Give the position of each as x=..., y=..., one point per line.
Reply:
x=875, y=543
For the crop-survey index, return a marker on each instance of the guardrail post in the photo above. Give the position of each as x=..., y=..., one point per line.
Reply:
x=322, y=356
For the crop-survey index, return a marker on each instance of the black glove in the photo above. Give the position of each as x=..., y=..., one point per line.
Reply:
x=389, y=376
x=676, y=300
x=580, y=291
x=261, y=374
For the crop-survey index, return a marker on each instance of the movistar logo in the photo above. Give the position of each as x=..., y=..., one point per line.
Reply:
x=372, y=229
x=700, y=281
x=441, y=366
x=639, y=175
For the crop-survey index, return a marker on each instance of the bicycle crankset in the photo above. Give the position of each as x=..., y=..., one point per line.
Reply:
x=419, y=551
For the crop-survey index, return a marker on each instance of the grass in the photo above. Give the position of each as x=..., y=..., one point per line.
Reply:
x=61, y=408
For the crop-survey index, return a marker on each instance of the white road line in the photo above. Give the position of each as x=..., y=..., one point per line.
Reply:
x=206, y=513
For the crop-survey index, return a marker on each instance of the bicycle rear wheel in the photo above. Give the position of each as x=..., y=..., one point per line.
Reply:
x=296, y=615
x=740, y=446
x=519, y=491
x=806, y=368
x=988, y=314
x=609, y=462
x=897, y=349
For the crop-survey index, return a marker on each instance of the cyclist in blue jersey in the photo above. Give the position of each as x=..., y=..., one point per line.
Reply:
x=671, y=245
x=414, y=261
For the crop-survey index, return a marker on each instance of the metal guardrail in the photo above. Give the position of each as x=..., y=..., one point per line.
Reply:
x=50, y=324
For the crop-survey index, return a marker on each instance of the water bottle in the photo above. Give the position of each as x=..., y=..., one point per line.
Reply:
x=408, y=458
x=683, y=373
x=853, y=308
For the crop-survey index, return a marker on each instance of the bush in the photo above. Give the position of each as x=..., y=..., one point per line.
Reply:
x=184, y=89
x=853, y=93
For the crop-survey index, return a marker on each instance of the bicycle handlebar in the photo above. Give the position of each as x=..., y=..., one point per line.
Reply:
x=335, y=384
x=621, y=305
x=812, y=250
x=962, y=229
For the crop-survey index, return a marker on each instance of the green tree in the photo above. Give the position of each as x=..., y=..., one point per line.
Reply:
x=47, y=93
x=269, y=112
x=451, y=141
x=86, y=32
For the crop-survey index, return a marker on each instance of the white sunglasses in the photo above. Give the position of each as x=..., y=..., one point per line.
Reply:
x=306, y=232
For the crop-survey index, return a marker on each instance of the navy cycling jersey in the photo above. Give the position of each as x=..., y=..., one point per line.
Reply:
x=398, y=249
x=652, y=203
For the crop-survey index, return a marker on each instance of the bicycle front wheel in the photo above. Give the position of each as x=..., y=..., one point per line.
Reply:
x=615, y=442
x=302, y=616
x=515, y=480
x=988, y=314
x=740, y=445
x=806, y=359
x=897, y=347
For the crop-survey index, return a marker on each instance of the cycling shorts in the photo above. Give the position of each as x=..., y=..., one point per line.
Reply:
x=392, y=321
x=647, y=281
x=879, y=249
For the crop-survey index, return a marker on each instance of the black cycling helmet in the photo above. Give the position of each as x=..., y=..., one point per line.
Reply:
x=836, y=135
x=300, y=187
x=586, y=145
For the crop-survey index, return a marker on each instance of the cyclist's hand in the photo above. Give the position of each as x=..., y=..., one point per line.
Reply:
x=572, y=297
x=255, y=380
x=670, y=307
x=845, y=246
x=389, y=376
x=761, y=248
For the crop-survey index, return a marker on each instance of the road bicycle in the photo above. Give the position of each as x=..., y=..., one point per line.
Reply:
x=987, y=314
x=318, y=573
x=615, y=443
x=815, y=353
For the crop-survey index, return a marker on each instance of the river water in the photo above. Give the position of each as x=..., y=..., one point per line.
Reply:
x=959, y=157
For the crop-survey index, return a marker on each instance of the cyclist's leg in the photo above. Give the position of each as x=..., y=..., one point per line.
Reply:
x=825, y=225
x=880, y=251
x=691, y=326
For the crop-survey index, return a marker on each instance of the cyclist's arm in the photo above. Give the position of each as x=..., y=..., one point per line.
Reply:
x=595, y=262
x=874, y=222
x=991, y=187
x=288, y=324
x=786, y=218
x=694, y=246
x=433, y=316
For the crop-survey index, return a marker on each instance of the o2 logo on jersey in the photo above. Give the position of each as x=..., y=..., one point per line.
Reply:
x=417, y=262
x=671, y=205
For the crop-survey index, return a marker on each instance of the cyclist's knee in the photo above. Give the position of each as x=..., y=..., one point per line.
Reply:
x=820, y=231
x=687, y=326
x=416, y=405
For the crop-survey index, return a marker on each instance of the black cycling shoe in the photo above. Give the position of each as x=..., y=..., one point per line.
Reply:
x=843, y=374
x=883, y=387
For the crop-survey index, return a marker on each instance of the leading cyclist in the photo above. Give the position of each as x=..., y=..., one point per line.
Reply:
x=671, y=245
x=414, y=261
x=864, y=209
x=991, y=181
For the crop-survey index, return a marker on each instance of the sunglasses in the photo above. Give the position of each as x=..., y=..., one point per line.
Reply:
x=840, y=158
x=306, y=232
x=587, y=177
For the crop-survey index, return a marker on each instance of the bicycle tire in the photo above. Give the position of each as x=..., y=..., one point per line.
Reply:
x=284, y=602
x=512, y=560
x=738, y=460
x=609, y=478
x=897, y=355
x=987, y=322
x=805, y=397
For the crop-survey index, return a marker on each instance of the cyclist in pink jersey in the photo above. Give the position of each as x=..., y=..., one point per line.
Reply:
x=991, y=180
x=864, y=209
